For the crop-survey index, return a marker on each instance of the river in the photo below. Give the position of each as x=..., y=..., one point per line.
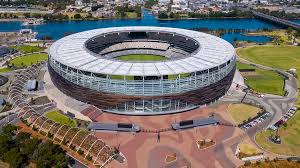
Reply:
x=57, y=29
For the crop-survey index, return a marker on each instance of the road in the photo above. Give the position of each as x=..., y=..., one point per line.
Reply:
x=276, y=105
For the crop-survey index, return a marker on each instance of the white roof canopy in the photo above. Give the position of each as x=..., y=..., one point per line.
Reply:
x=71, y=51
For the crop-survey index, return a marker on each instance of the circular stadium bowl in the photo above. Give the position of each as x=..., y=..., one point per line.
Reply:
x=142, y=70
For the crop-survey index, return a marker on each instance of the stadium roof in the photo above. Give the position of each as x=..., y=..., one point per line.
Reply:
x=71, y=51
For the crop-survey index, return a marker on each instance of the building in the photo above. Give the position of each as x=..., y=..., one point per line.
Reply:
x=197, y=69
x=4, y=51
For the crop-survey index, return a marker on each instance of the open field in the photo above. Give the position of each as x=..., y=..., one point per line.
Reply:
x=139, y=57
x=263, y=81
x=241, y=112
x=274, y=164
x=27, y=48
x=60, y=118
x=28, y=60
x=290, y=136
x=283, y=57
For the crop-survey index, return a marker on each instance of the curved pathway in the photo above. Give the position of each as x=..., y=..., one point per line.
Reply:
x=276, y=105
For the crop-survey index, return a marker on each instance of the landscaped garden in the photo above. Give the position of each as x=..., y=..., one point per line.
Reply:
x=242, y=112
x=247, y=150
x=170, y=158
x=262, y=81
x=60, y=118
x=28, y=60
x=289, y=134
x=272, y=164
x=205, y=143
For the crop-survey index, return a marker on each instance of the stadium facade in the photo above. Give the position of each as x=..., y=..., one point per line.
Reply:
x=198, y=69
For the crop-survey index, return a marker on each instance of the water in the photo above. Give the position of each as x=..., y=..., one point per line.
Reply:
x=230, y=37
x=57, y=29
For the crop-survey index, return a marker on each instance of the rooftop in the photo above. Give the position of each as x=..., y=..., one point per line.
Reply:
x=71, y=51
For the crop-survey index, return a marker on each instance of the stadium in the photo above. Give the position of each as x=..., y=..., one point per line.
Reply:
x=142, y=70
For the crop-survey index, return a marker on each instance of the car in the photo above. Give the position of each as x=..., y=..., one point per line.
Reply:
x=261, y=119
x=258, y=121
x=291, y=112
x=264, y=117
x=294, y=108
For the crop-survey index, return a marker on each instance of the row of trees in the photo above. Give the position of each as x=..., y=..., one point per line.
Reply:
x=20, y=149
x=234, y=13
x=8, y=15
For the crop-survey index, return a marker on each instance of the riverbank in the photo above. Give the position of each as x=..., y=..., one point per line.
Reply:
x=65, y=20
x=203, y=18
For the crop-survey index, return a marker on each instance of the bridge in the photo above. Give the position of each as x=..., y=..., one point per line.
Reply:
x=276, y=20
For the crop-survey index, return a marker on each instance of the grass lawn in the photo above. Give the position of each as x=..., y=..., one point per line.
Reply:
x=248, y=149
x=266, y=82
x=28, y=60
x=28, y=48
x=263, y=81
x=60, y=118
x=138, y=57
x=7, y=69
x=290, y=135
x=241, y=112
x=131, y=14
x=283, y=57
x=244, y=66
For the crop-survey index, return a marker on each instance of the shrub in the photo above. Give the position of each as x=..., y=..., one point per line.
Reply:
x=89, y=158
x=80, y=152
x=247, y=163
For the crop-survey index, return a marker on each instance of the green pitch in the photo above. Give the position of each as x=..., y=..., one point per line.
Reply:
x=142, y=57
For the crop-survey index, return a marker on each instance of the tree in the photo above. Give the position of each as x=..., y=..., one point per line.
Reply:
x=9, y=130
x=26, y=15
x=4, y=145
x=48, y=154
x=162, y=15
x=22, y=137
x=289, y=30
x=29, y=146
x=46, y=38
x=14, y=158
x=77, y=16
